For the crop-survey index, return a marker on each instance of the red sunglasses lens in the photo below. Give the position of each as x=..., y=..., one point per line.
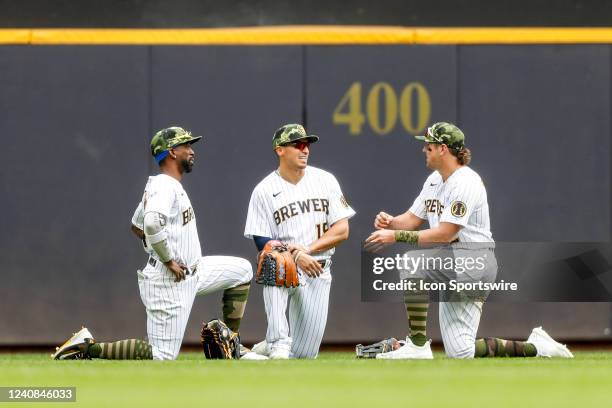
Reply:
x=301, y=145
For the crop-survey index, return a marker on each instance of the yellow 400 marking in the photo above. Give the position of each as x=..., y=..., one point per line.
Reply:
x=349, y=112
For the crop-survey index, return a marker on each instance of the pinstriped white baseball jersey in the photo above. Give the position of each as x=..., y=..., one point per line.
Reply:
x=297, y=214
x=138, y=217
x=461, y=200
x=168, y=303
x=165, y=195
x=138, y=221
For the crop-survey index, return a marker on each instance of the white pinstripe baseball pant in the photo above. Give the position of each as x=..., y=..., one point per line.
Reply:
x=308, y=307
x=459, y=324
x=168, y=303
x=459, y=320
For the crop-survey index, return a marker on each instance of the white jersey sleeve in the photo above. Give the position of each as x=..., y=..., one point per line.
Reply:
x=159, y=196
x=138, y=217
x=338, y=206
x=259, y=218
x=464, y=198
x=418, y=206
x=165, y=195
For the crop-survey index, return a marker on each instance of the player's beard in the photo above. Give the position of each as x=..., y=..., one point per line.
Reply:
x=186, y=165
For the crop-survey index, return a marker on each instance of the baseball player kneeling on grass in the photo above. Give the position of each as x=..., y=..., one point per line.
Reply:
x=176, y=271
x=296, y=214
x=454, y=202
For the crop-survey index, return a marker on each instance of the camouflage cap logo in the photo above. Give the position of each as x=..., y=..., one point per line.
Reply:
x=171, y=137
x=444, y=133
x=291, y=133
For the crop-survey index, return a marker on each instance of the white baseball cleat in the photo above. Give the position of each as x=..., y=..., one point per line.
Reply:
x=546, y=346
x=279, y=354
x=244, y=350
x=409, y=352
x=261, y=348
x=253, y=356
x=75, y=348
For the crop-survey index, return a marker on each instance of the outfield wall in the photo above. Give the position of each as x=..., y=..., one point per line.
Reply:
x=76, y=121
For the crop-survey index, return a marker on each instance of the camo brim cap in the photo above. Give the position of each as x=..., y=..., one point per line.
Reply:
x=168, y=138
x=290, y=133
x=444, y=133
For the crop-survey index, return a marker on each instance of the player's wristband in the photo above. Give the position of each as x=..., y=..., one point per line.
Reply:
x=411, y=237
x=297, y=256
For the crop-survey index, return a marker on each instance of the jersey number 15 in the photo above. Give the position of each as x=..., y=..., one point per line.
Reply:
x=321, y=229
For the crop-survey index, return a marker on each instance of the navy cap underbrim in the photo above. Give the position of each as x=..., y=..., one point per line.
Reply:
x=195, y=139
x=310, y=138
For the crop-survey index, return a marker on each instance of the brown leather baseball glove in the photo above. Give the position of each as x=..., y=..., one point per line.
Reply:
x=276, y=267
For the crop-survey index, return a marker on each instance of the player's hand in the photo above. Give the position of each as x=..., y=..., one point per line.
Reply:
x=382, y=220
x=379, y=239
x=309, y=265
x=177, y=269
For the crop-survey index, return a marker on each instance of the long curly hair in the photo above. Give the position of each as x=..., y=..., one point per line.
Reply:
x=464, y=155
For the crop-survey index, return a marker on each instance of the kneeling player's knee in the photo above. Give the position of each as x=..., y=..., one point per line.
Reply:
x=247, y=270
x=159, y=354
x=460, y=351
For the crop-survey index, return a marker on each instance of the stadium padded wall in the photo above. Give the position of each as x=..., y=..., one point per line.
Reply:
x=76, y=122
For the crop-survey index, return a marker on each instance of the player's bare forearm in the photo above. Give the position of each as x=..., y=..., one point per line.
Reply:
x=445, y=232
x=406, y=221
x=337, y=233
x=138, y=232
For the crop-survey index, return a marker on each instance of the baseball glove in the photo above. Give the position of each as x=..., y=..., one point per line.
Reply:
x=276, y=267
x=219, y=342
x=383, y=346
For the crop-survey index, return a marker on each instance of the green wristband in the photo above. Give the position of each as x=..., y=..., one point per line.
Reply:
x=411, y=237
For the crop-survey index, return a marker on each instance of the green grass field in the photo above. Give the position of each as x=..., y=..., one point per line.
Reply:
x=335, y=379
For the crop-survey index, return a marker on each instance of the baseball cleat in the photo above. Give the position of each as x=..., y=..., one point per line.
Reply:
x=244, y=350
x=261, y=348
x=75, y=348
x=279, y=354
x=546, y=346
x=253, y=356
x=409, y=352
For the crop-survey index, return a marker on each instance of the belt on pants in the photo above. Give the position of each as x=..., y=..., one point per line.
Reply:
x=190, y=271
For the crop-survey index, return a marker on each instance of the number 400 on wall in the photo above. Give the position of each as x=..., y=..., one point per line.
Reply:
x=413, y=108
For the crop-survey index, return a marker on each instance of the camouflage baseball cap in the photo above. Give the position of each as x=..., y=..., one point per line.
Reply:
x=168, y=138
x=291, y=133
x=444, y=133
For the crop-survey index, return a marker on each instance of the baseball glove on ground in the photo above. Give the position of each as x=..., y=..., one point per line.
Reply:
x=383, y=346
x=219, y=342
x=276, y=267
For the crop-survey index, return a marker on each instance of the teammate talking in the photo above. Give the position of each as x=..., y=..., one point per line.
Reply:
x=454, y=202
